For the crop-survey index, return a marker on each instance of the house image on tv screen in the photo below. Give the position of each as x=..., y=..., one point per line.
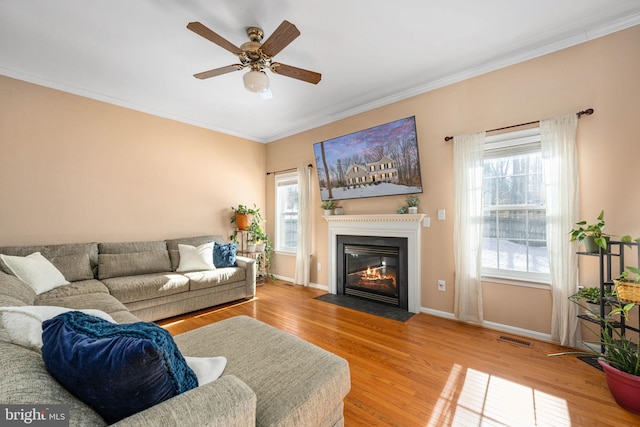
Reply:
x=383, y=170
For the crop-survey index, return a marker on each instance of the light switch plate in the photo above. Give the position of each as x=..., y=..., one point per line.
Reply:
x=441, y=214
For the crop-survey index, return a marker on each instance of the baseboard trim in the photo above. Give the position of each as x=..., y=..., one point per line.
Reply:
x=311, y=284
x=495, y=326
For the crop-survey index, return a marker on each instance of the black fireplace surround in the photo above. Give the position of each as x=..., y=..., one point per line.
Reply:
x=373, y=268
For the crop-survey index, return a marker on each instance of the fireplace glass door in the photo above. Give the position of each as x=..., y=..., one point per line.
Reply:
x=372, y=272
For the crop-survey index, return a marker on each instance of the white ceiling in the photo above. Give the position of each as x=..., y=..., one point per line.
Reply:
x=139, y=53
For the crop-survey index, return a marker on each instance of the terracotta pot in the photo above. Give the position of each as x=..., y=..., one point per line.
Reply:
x=625, y=388
x=243, y=221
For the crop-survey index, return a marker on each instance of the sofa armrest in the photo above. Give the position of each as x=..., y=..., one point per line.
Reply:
x=249, y=264
x=226, y=402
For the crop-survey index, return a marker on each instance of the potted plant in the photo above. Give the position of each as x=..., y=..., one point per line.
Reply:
x=257, y=236
x=413, y=202
x=627, y=284
x=328, y=206
x=242, y=216
x=591, y=234
x=402, y=210
x=591, y=297
x=620, y=359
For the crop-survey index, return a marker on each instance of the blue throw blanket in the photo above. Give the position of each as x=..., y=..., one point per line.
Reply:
x=182, y=377
x=118, y=369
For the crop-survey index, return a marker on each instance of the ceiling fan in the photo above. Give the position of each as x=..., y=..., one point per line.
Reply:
x=257, y=56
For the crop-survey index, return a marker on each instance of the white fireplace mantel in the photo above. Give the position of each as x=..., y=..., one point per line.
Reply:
x=382, y=225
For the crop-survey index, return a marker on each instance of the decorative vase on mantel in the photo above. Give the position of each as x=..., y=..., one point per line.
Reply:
x=328, y=212
x=413, y=209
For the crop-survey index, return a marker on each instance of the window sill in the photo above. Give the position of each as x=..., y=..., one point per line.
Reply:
x=287, y=253
x=525, y=283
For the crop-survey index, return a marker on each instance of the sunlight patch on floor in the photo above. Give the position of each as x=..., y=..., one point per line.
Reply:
x=474, y=398
x=168, y=325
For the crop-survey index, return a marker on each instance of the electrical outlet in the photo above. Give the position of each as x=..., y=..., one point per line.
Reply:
x=442, y=285
x=319, y=266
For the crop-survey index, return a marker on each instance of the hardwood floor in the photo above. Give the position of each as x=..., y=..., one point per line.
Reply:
x=431, y=371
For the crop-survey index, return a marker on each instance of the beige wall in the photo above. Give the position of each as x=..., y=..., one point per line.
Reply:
x=74, y=170
x=602, y=74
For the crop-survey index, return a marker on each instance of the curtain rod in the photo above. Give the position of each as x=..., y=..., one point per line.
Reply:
x=289, y=170
x=587, y=112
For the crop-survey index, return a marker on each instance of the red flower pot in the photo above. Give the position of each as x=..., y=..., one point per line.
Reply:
x=625, y=388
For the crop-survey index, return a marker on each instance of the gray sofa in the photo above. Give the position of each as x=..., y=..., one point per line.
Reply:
x=271, y=378
x=142, y=276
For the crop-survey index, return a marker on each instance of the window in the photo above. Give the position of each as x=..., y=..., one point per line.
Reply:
x=514, y=241
x=286, y=212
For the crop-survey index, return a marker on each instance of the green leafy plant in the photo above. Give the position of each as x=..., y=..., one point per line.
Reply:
x=630, y=275
x=327, y=205
x=619, y=351
x=591, y=295
x=413, y=201
x=583, y=230
x=245, y=210
x=402, y=210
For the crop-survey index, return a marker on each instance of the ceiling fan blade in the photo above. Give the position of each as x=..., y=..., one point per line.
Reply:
x=296, y=73
x=218, y=71
x=208, y=34
x=281, y=37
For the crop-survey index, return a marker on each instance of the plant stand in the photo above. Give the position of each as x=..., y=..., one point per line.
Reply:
x=606, y=258
x=248, y=250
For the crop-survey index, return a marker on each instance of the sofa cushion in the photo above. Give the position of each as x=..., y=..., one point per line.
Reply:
x=82, y=287
x=35, y=270
x=129, y=264
x=131, y=247
x=118, y=370
x=194, y=258
x=14, y=288
x=146, y=286
x=172, y=246
x=99, y=301
x=73, y=267
x=224, y=254
x=51, y=252
x=217, y=277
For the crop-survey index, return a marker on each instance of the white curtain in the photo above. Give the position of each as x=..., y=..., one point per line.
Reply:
x=303, y=249
x=468, y=152
x=560, y=166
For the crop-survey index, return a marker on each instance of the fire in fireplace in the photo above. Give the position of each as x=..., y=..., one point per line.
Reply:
x=374, y=268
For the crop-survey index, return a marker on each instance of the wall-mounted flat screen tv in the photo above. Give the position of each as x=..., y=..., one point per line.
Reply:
x=379, y=161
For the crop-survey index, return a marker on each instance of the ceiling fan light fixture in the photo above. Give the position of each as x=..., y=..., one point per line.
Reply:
x=256, y=81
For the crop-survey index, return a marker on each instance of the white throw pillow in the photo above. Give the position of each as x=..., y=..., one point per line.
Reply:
x=24, y=324
x=207, y=369
x=196, y=258
x=35, y=270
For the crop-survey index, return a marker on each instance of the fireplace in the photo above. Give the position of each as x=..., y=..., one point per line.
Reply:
x=407, y=226
x=374, y=268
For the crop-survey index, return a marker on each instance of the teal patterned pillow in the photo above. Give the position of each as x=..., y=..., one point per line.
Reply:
x=224, y=255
